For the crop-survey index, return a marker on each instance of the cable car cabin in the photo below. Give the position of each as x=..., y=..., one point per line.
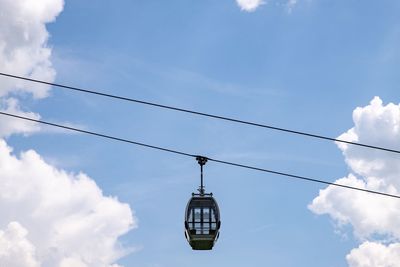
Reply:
x=202, y=221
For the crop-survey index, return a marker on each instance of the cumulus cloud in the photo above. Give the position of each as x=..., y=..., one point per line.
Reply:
x=373, y=218
x=49, y=217
x=372, y=254
x=53, y=218
x=10, y=125
x=377, y=125
x=15, y=249
x=23, y=44
x=24, y=51
x=249, y=5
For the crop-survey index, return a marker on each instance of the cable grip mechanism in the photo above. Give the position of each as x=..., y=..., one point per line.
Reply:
x=202, y=161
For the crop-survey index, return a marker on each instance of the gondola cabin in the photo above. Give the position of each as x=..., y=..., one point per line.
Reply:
x=202, y=218
x=202, y=221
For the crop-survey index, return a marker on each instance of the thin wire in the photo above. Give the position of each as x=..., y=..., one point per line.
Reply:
x=98, y=134
x=304, y=178
x=301, y=177
x=202, y=114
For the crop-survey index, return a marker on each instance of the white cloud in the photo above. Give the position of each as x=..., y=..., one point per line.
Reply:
x=368, y=214
x=15, y=249
x=372, y=217
x=49, y=218
x=249, y=5
x=58, y=218
x=9, y=125
x=372, y=254
x=24, y=51
x=252, y=5
x=23, y=44
x=377, y=125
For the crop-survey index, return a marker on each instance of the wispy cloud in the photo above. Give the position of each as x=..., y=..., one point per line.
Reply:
x=51, y=129
x=253, y=5
x=249, y=5
x=290, y=5
x=260, y=228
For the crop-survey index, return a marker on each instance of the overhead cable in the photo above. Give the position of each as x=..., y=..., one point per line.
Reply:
x=209, y=115
x=304, y=178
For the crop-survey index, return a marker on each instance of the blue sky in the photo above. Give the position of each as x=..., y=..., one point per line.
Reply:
x=306, y=69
